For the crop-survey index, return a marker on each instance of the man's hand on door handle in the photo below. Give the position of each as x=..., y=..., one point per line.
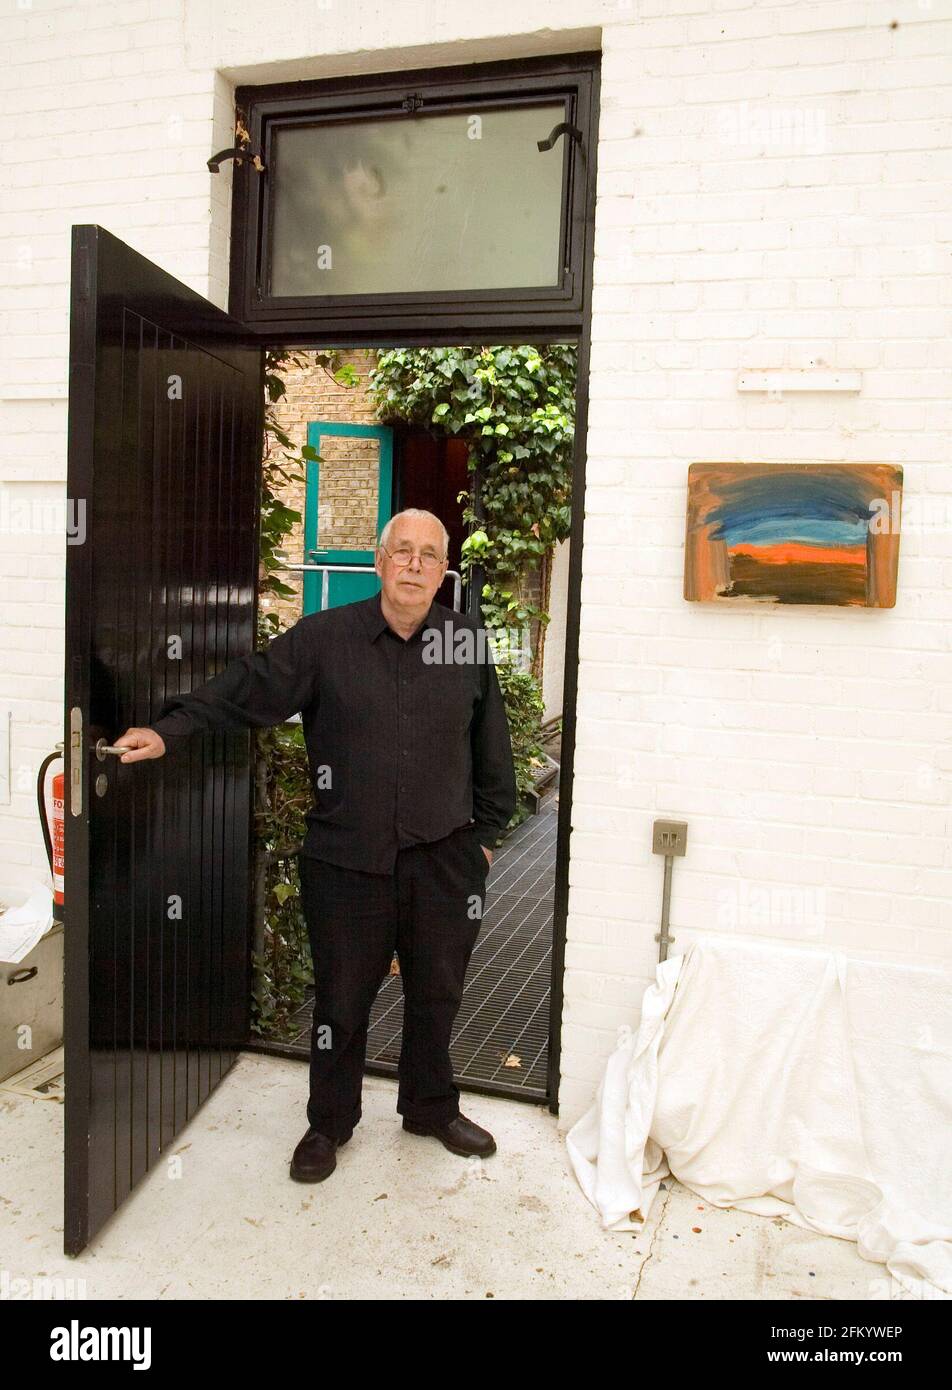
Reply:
x=146, y=743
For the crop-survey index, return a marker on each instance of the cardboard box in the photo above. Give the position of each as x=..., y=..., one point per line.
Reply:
x=31, y=1004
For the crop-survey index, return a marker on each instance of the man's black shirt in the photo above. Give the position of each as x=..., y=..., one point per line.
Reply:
x=402, y=750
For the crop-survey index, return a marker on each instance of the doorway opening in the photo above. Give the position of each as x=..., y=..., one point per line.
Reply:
x=366, y=453
x=165, y=428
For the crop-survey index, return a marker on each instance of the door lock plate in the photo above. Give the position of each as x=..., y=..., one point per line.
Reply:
x=77, y=757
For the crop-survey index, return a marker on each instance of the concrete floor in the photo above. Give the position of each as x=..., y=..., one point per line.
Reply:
x=401, y=1218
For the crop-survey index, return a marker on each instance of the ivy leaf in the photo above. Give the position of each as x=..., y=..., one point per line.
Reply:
x=282, y=590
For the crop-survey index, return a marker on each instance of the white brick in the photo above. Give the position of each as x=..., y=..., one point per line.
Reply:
x=794, y=740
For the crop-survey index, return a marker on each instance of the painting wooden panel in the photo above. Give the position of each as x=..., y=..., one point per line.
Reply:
x=816, y=533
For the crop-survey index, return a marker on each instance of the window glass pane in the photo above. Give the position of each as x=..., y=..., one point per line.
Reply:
x=444, y=202
x=348, y=492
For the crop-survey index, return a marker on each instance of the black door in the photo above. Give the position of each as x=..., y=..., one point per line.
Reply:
x=161, y=574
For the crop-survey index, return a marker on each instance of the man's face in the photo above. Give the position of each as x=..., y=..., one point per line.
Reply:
x=409, y=586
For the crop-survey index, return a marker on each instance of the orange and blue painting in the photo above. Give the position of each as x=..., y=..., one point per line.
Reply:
x=817, y=533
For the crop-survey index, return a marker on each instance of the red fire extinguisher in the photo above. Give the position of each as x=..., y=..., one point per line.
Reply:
x=50, y=795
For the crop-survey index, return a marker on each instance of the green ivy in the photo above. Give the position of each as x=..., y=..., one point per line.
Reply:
x=515, y=407
x=525, y=710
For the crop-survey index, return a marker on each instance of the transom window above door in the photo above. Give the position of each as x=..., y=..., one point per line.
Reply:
x=416, y=200
x=456, y=201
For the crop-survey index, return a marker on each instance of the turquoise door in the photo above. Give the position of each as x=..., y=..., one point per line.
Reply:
x=347, y=501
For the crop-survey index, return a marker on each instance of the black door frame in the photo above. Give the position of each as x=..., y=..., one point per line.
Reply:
x=513, y=319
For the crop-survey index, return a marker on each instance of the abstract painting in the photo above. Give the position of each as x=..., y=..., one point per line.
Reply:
x=793, y=533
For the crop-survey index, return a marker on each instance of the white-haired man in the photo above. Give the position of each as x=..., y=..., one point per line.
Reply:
x=413, y=781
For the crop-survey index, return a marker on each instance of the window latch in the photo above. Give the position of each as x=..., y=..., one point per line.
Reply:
x=238, y=153
x=563, y=128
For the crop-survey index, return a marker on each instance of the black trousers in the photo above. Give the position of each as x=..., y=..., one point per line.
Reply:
x=429, y=910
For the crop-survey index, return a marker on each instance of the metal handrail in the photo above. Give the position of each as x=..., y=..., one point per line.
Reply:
x=368, y=569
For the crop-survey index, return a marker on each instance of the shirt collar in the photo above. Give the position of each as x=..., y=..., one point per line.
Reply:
x=374, y=621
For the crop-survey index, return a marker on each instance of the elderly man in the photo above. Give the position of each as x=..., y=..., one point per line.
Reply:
x=413, y=781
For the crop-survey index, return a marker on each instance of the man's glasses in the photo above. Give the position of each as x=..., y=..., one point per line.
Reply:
x=402, y=556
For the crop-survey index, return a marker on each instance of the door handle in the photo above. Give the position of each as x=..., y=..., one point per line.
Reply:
x=102, y=748
x=19, y=977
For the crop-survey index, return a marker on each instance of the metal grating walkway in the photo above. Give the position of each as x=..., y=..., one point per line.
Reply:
x=501, y=1039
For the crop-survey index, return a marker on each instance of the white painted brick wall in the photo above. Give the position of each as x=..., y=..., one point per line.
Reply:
x=103, y=121
x=808, y=750
x=773, y=192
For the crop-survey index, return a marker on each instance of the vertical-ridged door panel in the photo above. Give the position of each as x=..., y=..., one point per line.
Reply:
x=164, y=452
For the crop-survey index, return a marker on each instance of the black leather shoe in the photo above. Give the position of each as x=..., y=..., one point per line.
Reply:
x=460, y=1136
x=315, y=1157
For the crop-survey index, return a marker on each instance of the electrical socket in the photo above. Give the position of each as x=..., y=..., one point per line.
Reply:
x=670, y=837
